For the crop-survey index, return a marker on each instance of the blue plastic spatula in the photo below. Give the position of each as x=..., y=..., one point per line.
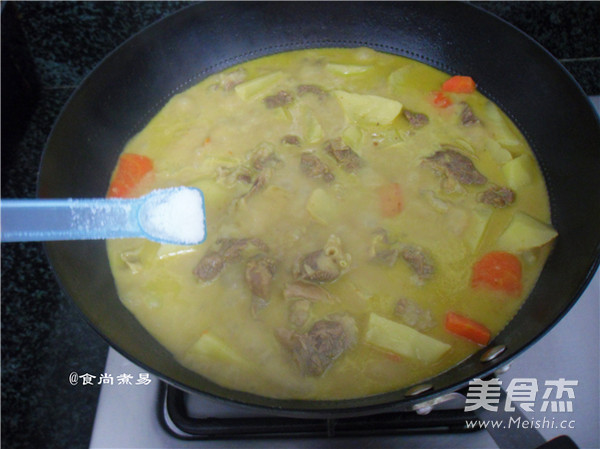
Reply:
x=174, y=215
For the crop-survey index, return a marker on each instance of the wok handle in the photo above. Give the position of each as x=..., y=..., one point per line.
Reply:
x=526, y=437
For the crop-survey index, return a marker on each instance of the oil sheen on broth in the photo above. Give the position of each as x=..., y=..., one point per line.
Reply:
x=371, y=222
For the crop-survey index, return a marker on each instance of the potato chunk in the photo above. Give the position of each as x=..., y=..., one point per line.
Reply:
x=313, y=131
x=498, y=153
x=347, y=69
x=322, y=206
x=352, y=136
x=252, y=88
x=525, y=232
x=368, y=109
x=403, y=340
x=518, y=171
x=209, y=346
x=478, y=223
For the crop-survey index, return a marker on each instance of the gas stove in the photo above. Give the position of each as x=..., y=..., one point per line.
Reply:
x=145, y=413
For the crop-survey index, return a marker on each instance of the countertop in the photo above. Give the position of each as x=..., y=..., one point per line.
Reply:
x=44, y=338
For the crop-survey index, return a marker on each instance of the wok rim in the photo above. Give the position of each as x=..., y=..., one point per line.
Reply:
x=337, y=407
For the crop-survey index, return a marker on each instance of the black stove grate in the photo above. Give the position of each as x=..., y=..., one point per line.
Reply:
x=177, y=421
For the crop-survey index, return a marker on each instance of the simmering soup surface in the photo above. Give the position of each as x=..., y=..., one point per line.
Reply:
x=371, y=222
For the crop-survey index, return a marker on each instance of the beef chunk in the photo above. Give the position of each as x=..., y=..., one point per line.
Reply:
x=450, y=162
x=264, y=156
x=291, y=139
x=414, y=315
x=246, y=178
x=209, y=266
x=229, y=176
x=260, y=163
x=263, y=162
x=313, y=167
x=258, y=184
x=300, y=312
x=467, y=118
x=327, y=339
x=259, y=275
x=497, y=196
x=304, y=89
x=324, y=265
x=281, y=98
x=416, y=119
x=229, y=250
x=317, y=267
x=382, y=250
x=419, y=261
x=303, y=290
x=344, y=155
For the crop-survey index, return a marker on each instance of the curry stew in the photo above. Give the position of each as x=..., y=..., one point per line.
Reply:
x=371, y=222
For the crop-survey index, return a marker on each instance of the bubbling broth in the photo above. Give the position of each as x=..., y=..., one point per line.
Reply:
x=371, y=222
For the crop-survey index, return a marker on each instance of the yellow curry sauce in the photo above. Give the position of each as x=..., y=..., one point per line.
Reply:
x=348, y=199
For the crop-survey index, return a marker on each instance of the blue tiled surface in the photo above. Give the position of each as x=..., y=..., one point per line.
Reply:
x=43, y=337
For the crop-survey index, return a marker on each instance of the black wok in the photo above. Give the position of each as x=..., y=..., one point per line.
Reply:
x=136, y=80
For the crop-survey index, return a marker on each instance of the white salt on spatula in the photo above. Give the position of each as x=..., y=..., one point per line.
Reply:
x=175, y=215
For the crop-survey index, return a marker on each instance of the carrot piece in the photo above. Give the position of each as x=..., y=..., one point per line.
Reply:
x=440, y=100
x=390, y=199
x=131, y=168
x=459, y=84
x=498, y=270
x=467, y=328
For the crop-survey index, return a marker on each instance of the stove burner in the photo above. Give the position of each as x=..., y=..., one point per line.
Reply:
x=176, y=420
